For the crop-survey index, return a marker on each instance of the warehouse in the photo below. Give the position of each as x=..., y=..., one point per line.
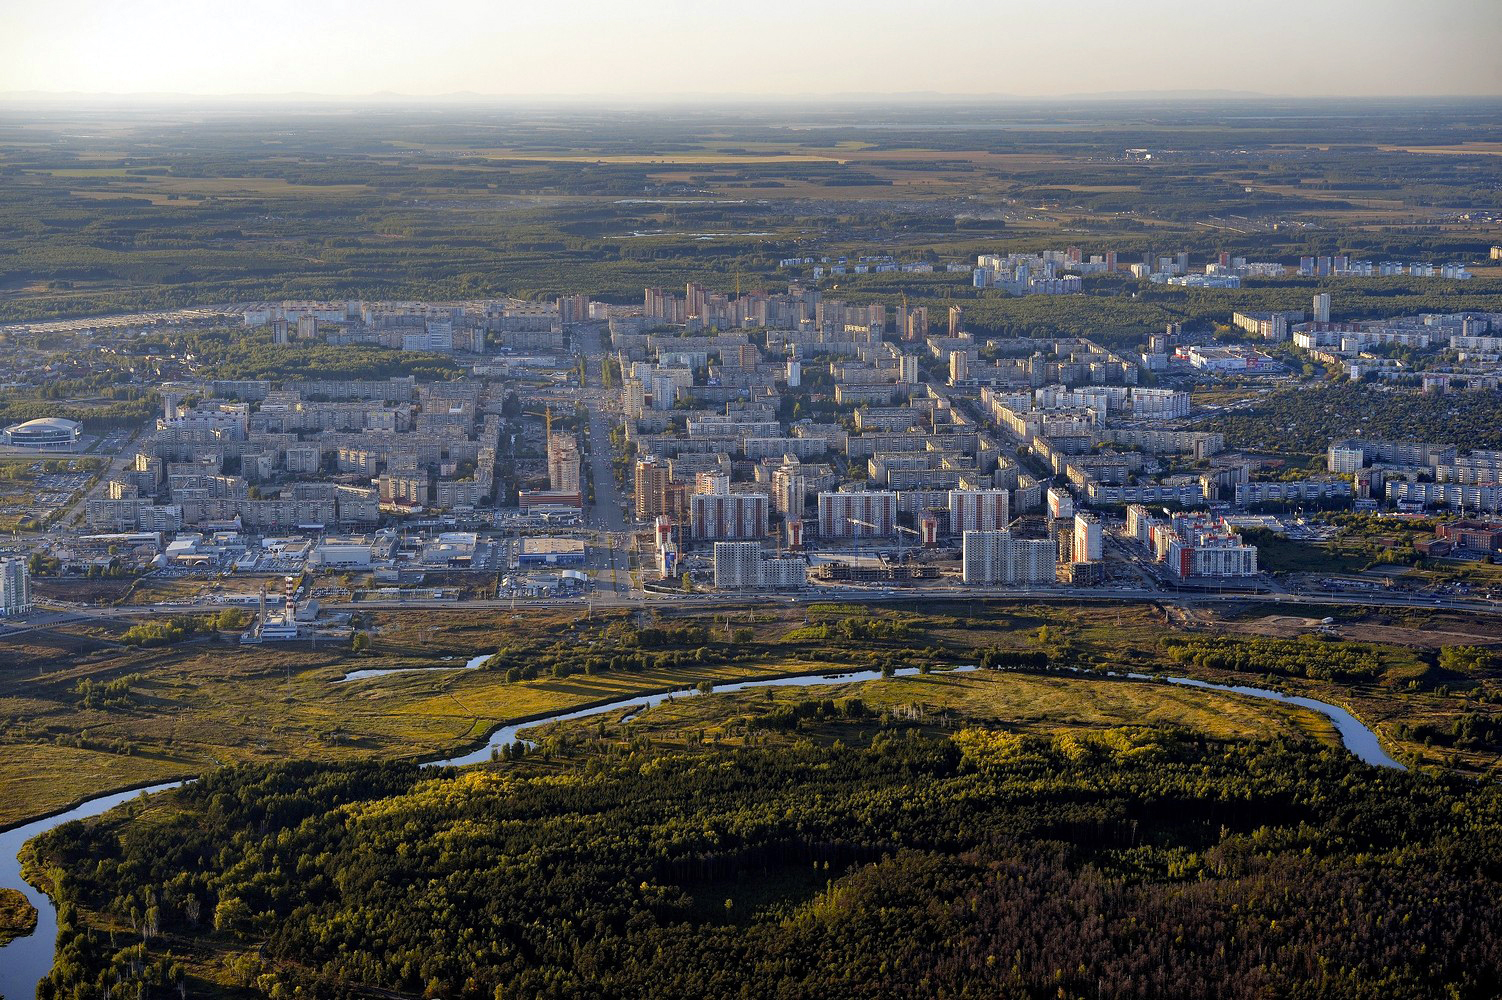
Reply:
x=551, y=552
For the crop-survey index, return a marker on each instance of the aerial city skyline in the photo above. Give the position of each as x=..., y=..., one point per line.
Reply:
x=682, y=501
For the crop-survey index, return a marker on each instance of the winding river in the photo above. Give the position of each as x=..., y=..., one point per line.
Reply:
x=26, y=960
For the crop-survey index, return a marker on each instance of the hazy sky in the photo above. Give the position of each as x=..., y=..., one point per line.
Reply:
x=630, y=47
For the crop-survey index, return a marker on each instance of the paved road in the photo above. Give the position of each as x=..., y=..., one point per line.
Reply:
x=857, y=595
x=607, y=514
x=117, y=465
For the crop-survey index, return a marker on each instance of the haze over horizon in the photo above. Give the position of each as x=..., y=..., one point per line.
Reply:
x=776, y=49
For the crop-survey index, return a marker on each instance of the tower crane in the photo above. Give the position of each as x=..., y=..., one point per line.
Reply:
x=898, y=528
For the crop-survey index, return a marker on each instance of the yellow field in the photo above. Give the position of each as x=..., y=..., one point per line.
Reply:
x=674, y=159
x=226, y=703
x=150, y=199
x=43, y=778
x=17, y=916
x=1463, y=149
x=1015, y=702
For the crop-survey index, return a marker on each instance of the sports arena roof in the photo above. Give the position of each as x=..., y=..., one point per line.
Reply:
x=42, y=425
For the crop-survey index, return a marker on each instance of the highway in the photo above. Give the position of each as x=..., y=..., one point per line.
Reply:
x=623, y=598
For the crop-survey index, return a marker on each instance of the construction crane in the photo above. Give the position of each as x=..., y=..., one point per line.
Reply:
x=863, y=524
x=903, y=530
x=546, y=415
x=900, y=530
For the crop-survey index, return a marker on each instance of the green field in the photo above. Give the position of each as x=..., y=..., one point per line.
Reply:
x=186, y=708
x=1017, y=703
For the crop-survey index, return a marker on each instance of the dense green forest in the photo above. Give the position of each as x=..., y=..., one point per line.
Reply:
x=241, y=354
x=893, y=862
x=1304, y=420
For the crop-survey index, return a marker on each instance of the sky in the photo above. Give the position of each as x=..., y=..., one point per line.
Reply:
x=631, y=48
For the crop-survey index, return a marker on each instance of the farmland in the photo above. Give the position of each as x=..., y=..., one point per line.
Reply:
x=182, y=207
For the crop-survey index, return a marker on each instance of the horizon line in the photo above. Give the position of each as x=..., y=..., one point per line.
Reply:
x=294, y=96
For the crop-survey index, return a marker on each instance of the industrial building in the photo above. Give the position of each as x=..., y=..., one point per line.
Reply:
x=536, y=552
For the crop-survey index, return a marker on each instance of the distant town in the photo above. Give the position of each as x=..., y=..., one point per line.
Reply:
x=709, y=443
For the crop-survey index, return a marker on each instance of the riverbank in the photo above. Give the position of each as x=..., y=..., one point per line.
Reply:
x=28, y=958
x=18, y=918
x=412, y=696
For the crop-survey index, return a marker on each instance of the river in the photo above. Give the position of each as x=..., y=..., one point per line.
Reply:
x=473, y=663
x=26, y=960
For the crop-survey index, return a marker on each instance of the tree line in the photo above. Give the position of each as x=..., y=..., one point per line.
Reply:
x=1138, y=862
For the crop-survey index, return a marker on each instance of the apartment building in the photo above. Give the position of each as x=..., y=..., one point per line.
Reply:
x=997, y=557
x=858, y=514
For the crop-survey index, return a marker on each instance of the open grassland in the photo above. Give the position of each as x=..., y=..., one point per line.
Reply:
x=1018, y=703
x=666, y=159
x=126, y=182
x=66, y=733
x=204, y=703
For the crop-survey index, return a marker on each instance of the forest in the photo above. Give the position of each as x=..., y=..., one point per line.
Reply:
x=1305, y=420
x=896, y=860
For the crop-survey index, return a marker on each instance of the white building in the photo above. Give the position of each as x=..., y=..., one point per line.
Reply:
x=991, y=557
x=335, y=553
x=789, y=489
x=1087, y=538
x=1195, y=545
x=740, y=566
x=736, y=565
x=1218, y=359
x=1160, y=403
x=959, y=367
x=1322, y=307
x=1211, y=556
x=15, y=587
x=1060, y=503
x=44, y=434
x=907, y=369
x=784, y=573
